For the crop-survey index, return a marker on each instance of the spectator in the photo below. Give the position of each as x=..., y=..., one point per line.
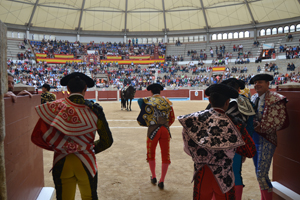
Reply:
x=281, y=48
x=258, y=69
x=46, y=96
x=290, y=37
x=11, y=84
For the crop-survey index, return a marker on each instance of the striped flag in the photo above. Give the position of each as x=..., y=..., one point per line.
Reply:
x=219, y=69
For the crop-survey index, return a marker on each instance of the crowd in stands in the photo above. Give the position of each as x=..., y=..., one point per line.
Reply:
x=177, y=43
x=291, y=67
x=123, y=49
x=51, y=47
x=221, y=54
x=195, y=56
x=269, y=67
x=175, y=58
x=169, y=74
x=290, y=52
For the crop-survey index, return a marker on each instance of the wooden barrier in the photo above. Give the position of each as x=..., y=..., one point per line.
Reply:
x=23, y=159
x=196, y=94
x=108, y=95
x=166, y=93
x=60, y=94
x=286, y=160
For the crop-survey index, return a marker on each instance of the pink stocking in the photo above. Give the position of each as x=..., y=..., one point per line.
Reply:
x=164, y=169
x=152, y=168
x=267, y=195
x=238, y=192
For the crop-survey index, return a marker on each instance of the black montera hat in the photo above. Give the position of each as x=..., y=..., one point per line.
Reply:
x=89, y=82
x=155, y=85
x=239, y=82
x=222, y=89
x=258, y=77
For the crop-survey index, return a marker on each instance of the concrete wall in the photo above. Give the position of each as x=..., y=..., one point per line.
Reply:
x=23, y=159
x=87, y=39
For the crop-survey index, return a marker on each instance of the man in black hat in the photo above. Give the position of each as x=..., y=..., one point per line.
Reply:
x=68, y=127
x=242, y=110
x=157, y=114
x=126, y=83
x=271, y=116
x=211, y=139
x=46, y=96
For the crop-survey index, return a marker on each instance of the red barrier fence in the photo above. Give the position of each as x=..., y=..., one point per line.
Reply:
x=23, y=159
x=286, y=160
x=108, y=95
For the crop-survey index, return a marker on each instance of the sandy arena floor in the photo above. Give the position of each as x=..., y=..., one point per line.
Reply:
x=124, y=172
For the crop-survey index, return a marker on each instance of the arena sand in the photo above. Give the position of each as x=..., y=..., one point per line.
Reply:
x=123, y=171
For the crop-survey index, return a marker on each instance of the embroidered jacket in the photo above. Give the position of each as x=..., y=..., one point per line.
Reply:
x=274, y=115
x=66, y=127
x=47, y=97
x=156, y=111
x=212, y=139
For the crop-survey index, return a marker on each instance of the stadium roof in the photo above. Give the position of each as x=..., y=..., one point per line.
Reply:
x=144, y=15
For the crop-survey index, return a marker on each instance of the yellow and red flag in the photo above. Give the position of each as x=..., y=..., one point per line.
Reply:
x=219, y=69
x=63, y=56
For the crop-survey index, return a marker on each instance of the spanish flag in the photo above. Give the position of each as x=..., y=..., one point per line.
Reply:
x=63, y=56
x=58, y=60
x=140, y=57
x=114, y=57
x=219, y=69
x=41, y=55
x=128, y=62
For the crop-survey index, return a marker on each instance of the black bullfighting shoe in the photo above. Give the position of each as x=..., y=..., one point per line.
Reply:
x=153, y=180
x=161, y=185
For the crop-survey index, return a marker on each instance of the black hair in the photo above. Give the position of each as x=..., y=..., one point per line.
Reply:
x=46, y=86
x=217, y=100
x=156, y=90
x=76, y=85
x=233, y=84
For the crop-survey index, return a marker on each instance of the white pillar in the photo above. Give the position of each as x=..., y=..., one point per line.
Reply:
x=166, y=38
x=125, y=39
x=207, y=38
x=27, y=35
x=78, y=37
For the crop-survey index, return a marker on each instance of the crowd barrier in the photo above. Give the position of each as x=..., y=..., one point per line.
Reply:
x=286, y=160
x=23, y=160
x=114, y=95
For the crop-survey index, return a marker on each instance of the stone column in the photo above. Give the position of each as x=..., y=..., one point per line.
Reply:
x=78, y=37
x=3, y=90
x=125, y=39
x=255, y=34
x=28, y=35
x=207, y=38
x=166, y=38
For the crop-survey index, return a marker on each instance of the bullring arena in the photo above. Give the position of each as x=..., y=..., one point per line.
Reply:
x=185, y=45
x=123, y=169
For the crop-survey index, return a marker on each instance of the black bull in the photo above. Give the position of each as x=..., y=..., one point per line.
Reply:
x=126, y=95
